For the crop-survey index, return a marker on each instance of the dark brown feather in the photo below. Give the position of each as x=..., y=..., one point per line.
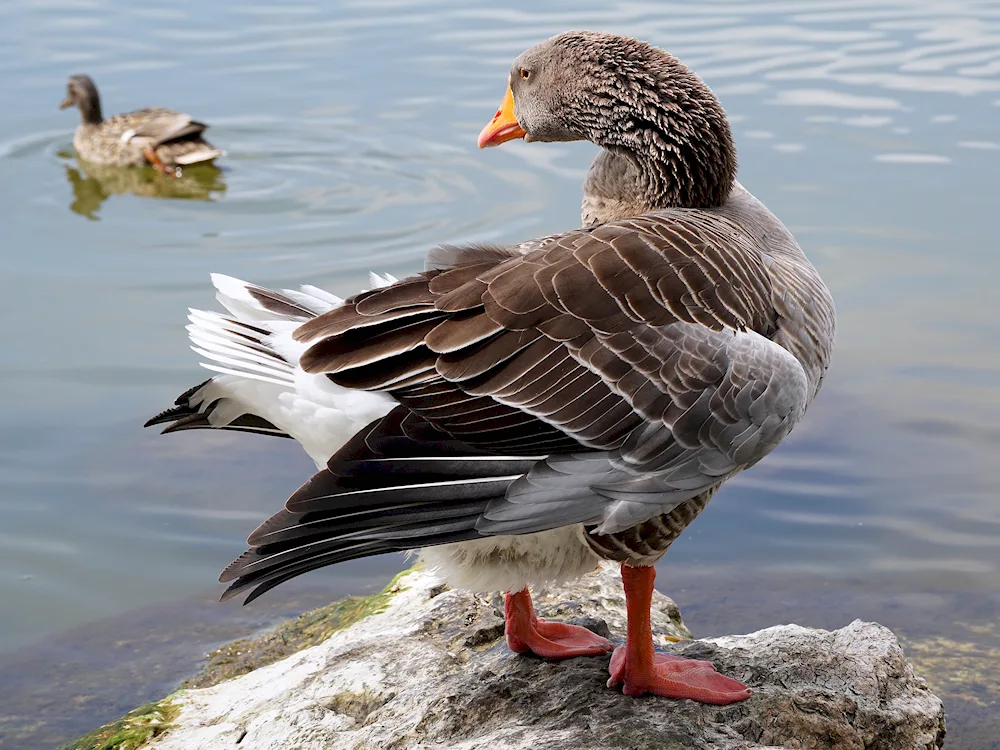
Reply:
x=486, y=355
x=279, y=304
x=468, y=296
x=346, y=318
x=412, y=292
x=565, y=346
x=461, y=330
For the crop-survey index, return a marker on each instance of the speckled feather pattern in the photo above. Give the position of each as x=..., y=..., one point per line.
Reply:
x=120, y=140
x=646, y=543
x=662, y=128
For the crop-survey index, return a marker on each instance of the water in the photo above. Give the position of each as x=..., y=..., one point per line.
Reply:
x=872, y=128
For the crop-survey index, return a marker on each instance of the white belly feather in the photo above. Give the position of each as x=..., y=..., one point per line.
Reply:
x=511, y=563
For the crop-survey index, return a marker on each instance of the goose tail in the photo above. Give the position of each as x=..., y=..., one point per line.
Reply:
x=258, y=386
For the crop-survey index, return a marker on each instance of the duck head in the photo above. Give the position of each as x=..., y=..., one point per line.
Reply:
x=81, y=92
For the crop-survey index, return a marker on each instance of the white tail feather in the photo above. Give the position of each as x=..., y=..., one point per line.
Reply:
x=260, y=374
x=234, y=295
x=219, y=339
x=377, y=282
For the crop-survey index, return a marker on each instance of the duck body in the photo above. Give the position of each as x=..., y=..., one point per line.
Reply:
x=125, y=140
x=161, y=137
x=537, y=408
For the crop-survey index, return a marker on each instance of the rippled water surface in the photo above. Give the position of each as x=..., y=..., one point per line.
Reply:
x=871, y=128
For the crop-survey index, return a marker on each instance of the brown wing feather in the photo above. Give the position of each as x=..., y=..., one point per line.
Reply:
x=557, y=348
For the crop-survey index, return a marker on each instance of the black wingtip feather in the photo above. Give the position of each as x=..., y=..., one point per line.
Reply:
x=184, y=416
x=187, y=422
x=167, y=415
x=181, y=408
x=385, y=491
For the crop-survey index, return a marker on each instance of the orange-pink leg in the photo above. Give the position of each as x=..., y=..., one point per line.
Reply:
x=640, y=670
x=550, y=640
x=154, y=159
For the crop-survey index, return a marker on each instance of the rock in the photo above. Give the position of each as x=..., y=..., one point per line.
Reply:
x=432, y=671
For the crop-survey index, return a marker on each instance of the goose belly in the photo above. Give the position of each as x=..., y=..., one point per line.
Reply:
x=511, y=563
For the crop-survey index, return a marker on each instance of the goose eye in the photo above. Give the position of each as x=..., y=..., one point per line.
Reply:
x=525, y=73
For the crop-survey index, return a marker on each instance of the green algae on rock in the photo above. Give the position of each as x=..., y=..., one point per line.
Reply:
x=132, y=731
x=142, y=724
x=308, y=629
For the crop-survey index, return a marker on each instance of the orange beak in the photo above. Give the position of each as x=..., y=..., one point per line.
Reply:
x=503, y=127
x=67, y=102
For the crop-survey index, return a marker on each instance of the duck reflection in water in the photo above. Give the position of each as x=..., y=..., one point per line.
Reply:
x=94, y=183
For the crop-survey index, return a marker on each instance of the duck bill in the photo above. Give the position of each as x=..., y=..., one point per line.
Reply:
x=67, y=102
x=503, y=127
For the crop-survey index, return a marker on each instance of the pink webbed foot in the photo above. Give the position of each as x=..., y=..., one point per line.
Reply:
x=548, y=639
x=675, y=677
x=640, y=670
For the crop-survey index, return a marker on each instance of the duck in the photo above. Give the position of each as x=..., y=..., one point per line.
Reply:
x=520, y=414
x=166, y=139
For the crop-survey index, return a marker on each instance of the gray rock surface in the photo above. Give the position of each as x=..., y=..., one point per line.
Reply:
x=432, y=671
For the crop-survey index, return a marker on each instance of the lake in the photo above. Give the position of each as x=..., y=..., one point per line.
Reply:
x=871, y=128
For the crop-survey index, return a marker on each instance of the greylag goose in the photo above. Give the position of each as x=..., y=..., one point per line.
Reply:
x=157, y=136
x=520, y=414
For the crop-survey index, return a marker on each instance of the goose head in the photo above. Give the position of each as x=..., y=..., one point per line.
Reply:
x=652, y=114
x=81, y=92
